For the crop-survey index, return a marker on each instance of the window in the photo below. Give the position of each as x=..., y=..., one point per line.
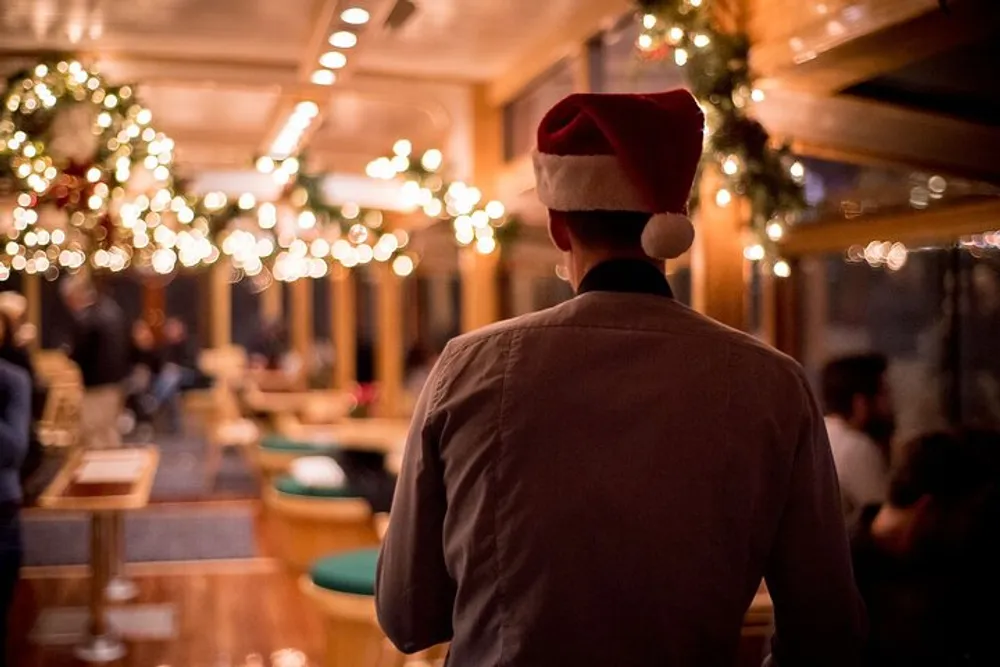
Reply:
x=620, y=70
x=937, y=319
x=522, y=115
x=840, y=190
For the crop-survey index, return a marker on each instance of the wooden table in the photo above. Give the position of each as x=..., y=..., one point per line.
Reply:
x=104, y=500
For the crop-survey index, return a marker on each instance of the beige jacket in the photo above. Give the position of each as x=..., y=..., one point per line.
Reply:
x=606, y=483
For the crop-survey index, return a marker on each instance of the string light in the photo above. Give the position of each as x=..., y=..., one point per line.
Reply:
x=782, y=269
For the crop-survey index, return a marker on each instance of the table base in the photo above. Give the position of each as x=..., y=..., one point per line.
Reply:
x=106, y=648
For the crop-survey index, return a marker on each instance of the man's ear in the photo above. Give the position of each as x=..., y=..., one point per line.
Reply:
x=559, y=231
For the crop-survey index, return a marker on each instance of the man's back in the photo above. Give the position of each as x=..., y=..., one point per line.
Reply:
x=616, y=476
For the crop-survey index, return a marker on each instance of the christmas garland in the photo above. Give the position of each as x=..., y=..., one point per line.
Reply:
x=737, y=145
x=93, y=188
x=486, y=227
x=90, y=176
x=300, y=235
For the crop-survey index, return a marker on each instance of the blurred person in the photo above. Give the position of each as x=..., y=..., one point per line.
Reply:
x=15, y=417
x=178, y=373
x=12, y=352
x=100, y=348
x=860, y=424
x=269, y=346
x=145, y=366
x=925, y=561
x=607, y=481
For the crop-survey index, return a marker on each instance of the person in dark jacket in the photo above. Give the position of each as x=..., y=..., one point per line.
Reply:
x=15, y=417
x=925, y=561
x=100, y=348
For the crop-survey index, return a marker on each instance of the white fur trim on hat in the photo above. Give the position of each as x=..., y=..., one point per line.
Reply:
x=667, y=235
x=585, y=183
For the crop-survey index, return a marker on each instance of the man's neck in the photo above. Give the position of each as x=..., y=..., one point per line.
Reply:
x=584, y=261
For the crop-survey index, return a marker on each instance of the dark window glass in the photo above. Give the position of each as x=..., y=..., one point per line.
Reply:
x=620, y=70
x=937, y=319
x=522, y=115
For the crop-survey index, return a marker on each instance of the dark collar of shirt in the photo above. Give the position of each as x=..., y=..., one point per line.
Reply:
x=626, y=275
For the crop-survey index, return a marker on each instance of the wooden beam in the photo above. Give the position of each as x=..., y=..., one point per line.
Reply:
x=344, y=327
x=859, y=40
x=590, y=18
x=222, y=305
x=937, y=225
x=872, y=130
x=480, y=288
x=717, y=264
x=302, y=323
x=31, y=283
x=389, y=346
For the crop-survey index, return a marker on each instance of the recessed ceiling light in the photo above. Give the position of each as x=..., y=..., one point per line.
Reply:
x=354, y=16
x=343, y=39
x=323, y=77
x=333, y=60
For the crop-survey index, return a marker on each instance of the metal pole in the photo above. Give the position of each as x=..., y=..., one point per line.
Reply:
x=99, y=645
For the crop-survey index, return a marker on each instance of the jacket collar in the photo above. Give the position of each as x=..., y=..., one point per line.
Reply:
x=626, y=275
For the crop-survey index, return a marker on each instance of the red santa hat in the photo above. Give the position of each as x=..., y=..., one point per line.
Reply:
x=624, y=153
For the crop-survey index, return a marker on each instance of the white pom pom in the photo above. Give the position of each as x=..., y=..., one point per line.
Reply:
x=667, y=235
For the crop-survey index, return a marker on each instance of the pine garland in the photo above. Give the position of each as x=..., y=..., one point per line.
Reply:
x=719, y=76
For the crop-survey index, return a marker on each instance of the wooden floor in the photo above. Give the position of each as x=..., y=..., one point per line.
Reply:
x=225, y=612
x=222, y=618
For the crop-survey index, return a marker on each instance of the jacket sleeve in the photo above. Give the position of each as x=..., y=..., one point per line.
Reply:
x=414, y=593
x=15, y=417
x=819, y=616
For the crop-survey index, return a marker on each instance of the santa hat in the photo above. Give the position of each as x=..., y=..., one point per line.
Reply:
x=624, y=153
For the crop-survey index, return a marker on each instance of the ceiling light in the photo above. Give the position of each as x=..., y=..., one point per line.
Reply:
x=307, y=108
x=333, y=60
x=323, y=77
x=354, y=16
x=344, y=39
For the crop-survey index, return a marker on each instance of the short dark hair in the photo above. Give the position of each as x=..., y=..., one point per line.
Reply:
x=617, y=230
x=847, y=377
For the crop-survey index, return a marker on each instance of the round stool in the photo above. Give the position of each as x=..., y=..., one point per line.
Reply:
x=343, y=588
x=310, y=522
x=276, y=453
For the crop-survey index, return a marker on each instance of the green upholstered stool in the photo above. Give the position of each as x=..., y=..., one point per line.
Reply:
x=352, y=572
x=291, y=486
x=279, y=443
x=343, y=588
x=308, y=523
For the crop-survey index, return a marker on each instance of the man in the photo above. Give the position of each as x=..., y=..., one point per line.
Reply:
x=860, y=424
x=15, y=419
x=607, y=481
x=925, y=560
x=100, y=348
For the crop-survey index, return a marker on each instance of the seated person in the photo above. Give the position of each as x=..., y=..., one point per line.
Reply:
x=179, y=371
x=145, y=364
x=925, y=561
x=860, y=423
